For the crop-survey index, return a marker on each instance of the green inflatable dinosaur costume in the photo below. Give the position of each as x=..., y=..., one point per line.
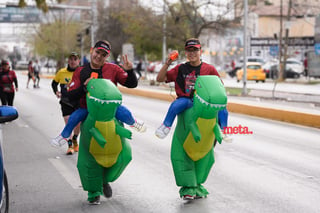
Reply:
x=192, y=153
x=104, y=152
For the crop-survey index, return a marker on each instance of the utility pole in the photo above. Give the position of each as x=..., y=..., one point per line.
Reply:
x=164, y=42
x=280, y=45
x=80, y=44
x=94, y=20
x=244, y=77
x=287, y=26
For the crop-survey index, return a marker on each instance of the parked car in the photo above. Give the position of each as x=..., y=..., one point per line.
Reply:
x=7, y=113
x=239, y=65
x=267, y=67
x=289, y=72
x=295, y=65
x=254, y=72
x=22, y=65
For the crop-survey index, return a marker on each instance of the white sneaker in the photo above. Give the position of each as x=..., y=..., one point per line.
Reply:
x=227, y=138
x=58, y=141
x=139, y=126
x=162, y=131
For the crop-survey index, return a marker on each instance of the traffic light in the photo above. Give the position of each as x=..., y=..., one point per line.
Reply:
x=79, y=39
x=88, y=31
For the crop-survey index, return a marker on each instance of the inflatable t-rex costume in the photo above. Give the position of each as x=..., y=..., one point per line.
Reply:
x=104, y=152
x=192, y=153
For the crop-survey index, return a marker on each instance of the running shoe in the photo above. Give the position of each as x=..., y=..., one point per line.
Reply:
x=162, y=131
x=107, y=190
x=139, y=126
x=188, y=197
x=200, y=196
x=70, y=151
x=75, y=145
x=58, y=141
x=95, y=201
x=227, y=138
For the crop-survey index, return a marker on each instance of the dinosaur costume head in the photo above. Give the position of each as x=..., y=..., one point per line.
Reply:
x=210, y=96
x=103, y=99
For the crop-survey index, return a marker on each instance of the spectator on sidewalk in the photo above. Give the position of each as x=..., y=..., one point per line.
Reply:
x=37, y=70
x=305, y=64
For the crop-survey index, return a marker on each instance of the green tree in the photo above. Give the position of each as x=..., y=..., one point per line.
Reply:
x=110, y=28
x=56, y=40
x=144, y=30
x=144, y=27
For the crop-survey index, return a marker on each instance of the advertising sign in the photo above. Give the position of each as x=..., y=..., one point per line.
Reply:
x=317, y=48
x=274, y=50
x=19, y=15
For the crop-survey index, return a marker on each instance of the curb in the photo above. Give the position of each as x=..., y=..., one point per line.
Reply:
x=301, y=118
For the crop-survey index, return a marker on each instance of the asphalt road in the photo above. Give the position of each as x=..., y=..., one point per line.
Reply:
x=275, y=169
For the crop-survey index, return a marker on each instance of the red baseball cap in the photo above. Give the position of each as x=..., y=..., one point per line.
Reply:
x=102, y=45
x=4, y=62
x=192, y=43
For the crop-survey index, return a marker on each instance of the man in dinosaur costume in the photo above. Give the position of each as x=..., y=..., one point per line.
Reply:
x=192, y=153
x=104, y=152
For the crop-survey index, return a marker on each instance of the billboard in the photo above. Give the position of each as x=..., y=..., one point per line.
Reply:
x=307, y=41
x=20, y=15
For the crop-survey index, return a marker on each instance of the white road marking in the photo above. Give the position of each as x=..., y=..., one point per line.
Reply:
x=70, y=177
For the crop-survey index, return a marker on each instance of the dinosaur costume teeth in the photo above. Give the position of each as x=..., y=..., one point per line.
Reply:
x=217, y=106
x=105, y=101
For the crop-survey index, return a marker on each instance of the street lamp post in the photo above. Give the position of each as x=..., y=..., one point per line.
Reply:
x=244, y=78
x=94, y=20
x=287, y=27
x=164, y=42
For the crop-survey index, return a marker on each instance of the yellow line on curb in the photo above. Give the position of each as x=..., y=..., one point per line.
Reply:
x=306, y=119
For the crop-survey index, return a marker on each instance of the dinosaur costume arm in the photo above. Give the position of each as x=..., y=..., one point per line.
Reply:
x=98, y=136
x=123, y=132
x=195, y=131
x=217, y=132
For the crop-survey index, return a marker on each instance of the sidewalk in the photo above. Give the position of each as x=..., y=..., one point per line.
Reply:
x=299, y=107
x=292, y=92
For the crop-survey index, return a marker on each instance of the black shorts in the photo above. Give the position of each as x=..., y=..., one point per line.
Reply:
x=66, y=109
